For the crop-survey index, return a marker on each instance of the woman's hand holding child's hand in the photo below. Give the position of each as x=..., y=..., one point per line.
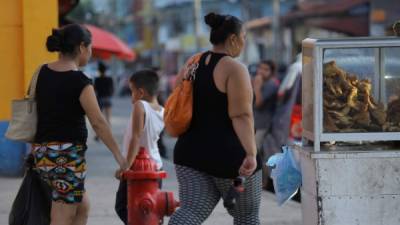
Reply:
x=123, y=166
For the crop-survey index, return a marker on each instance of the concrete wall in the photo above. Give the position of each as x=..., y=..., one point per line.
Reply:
x=24, y=26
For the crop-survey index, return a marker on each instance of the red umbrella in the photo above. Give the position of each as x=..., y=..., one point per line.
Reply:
x=106, y=44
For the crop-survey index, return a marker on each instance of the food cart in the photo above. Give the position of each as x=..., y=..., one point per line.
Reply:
x=350, y=156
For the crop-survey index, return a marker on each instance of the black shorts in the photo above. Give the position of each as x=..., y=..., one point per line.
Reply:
x=104, y=102
x=121, y=200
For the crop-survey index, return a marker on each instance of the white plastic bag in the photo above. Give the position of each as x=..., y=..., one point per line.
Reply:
x=286, y=174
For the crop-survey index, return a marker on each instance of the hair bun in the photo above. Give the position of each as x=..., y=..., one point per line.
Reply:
x=53, y=42
x=214, y=20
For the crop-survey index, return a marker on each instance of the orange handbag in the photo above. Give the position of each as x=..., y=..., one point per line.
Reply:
x=178, y=108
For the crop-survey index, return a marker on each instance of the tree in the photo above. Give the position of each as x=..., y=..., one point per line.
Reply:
x=84, y=13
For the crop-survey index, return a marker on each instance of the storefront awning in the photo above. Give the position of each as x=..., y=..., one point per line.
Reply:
x=335, y=16
x=352, y=26
x=322, y=9
x=260, y=22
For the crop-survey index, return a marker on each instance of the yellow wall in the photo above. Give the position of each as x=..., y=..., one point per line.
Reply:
x=24, y=26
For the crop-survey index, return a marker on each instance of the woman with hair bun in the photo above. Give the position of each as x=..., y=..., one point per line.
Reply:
x=219, y=145
x=64, y=95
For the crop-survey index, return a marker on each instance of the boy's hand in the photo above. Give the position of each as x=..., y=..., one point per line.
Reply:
x=118, y=174
x=123, y=163
x=124, y=166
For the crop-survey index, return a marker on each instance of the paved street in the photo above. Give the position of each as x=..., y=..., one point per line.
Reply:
x=101, y=186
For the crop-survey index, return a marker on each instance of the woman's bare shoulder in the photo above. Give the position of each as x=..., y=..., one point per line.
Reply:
x=232, y=66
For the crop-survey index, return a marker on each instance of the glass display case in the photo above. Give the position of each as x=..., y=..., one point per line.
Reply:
x=351, y=90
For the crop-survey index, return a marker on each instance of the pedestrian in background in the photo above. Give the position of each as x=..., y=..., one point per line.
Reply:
x=64, y=96
x=219, y=144
x=104, y=87
x=143, y=130
x=266, y=85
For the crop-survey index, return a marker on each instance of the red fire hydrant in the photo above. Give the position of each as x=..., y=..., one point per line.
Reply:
x=147, y=205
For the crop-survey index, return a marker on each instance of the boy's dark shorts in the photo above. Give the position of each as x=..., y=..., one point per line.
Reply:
x=121, y=200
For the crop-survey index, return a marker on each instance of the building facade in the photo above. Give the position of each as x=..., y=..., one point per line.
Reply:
x=24, y=26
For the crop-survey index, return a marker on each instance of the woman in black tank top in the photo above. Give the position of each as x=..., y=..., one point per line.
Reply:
x=219, y=144
x=64, y=96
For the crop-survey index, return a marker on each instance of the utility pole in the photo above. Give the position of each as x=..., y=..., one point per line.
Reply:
x=115, y=28
x=245, y=11
x=197, y=23
x=154, y=23
x=276, y=5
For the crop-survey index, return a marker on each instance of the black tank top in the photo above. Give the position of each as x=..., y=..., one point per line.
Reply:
x=210, y=145
x=60, y=114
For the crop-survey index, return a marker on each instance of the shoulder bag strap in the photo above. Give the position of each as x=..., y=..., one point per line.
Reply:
x=32, y=85
x=192, y=65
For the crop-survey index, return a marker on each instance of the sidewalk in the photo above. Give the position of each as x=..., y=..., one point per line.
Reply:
x=101, y=186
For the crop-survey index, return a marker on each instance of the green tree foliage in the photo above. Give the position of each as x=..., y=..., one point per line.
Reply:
x=84, y=13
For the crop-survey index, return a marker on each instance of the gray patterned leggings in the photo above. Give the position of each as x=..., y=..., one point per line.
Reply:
x=199, y=193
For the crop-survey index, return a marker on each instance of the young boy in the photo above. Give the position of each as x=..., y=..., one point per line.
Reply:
x=145, y=126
